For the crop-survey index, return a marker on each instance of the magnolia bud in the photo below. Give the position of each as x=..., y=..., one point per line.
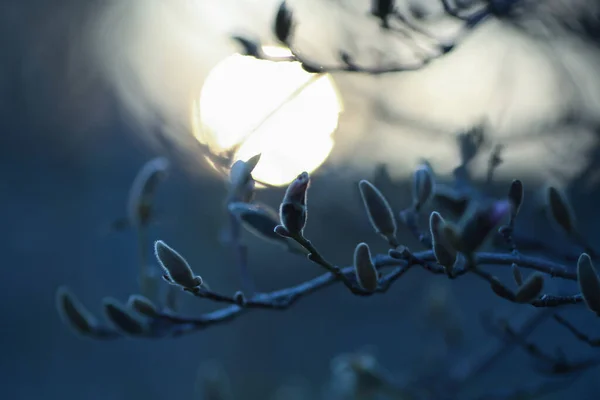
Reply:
x=125, y=321
x=142, y=190
x=530, y=289
x=240, y=179
x=560, y=209
x=589, y=282
x=293, y=208
x=480, y=223
x=423, y=185
x=259, y=220
x=445, y=254
x=142, y=306
x=73, y=313
x=177, y=270
x=515, y=196
x=501, y=290
x=366, y=274
x=378, y=209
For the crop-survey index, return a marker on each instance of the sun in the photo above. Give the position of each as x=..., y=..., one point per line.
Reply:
x=277, y=109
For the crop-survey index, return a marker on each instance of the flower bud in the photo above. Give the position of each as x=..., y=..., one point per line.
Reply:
x=142, y=306
x=560, y=210
x=423, y=186
x=177, y=270
x=240, y=179
x=444, y=253
x=142, y=190
x=501, y=290
x=480, y=223
x=123, y=320
x=530, y=289
x=263, y=222
x=378, y=209
x=293, y=209
x=589, y=282
x=241, y=171
x=366, y=274
x=73, y=313
x=515, y=196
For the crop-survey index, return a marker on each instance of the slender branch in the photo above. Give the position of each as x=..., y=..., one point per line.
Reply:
x=576, y=332
x=348, y=65
x=169, y=325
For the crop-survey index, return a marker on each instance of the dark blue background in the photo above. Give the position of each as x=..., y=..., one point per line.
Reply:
x=67, y=158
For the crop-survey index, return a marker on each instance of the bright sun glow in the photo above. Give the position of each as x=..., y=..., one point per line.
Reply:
x=273, y=108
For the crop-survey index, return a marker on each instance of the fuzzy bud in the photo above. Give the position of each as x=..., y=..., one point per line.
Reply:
x=423, y=186
x=293, y=209
x=259, y=220
x=73, y=313
x=177, y=270
x=530, y=289
x=445, y=254
x=560, y=209
x=142, y=190
x=378, y=209
x=366, y=274
x=500, y=290
x=240, y=179
x=122, y=319
x=589, y=283
x=142, y=306
x=515, y=196
x=480, y=223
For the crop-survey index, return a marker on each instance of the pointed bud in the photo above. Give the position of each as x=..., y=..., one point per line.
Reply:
x=259, y=220
x=455, y=201
x=451, y=234
x=177, y=270
x=73, y=313
x=284, y=24
x=560, y=209
x=142, y=306
x=281, y=231
x=480, y=223
x=123, y=319
x=423, y=186
x=143, y=188
x=378, y=209
x=530, y=289
x=516, y=273
x=589, y=282
x=241, y=183
x=366, y=274
x=293, y=208
x=444, y=253
x=240, y=172
x=515, y=196
x=501, y=290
